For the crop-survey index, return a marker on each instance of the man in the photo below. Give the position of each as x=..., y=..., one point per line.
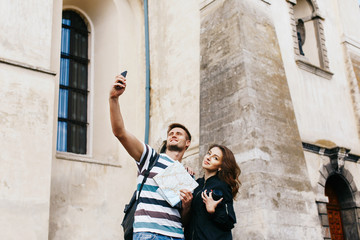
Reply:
x=154, y=217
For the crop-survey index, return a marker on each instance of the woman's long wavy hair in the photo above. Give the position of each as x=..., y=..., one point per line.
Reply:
x=230, y=171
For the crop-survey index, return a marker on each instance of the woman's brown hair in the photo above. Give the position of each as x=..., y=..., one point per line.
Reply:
x=230, y=171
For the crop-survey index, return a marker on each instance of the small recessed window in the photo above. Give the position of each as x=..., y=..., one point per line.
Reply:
x=307, y=26
x=309, y=37
x=73, y=90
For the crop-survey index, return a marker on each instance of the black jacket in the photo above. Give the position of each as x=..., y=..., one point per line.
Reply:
x=218, y=225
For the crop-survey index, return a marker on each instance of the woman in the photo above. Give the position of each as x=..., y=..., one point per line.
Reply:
x=212, y=214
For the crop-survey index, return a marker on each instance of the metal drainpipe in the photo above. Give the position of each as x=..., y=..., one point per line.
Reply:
x=147, y=58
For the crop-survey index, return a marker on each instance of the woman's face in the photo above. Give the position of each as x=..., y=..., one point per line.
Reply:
x=213, y=160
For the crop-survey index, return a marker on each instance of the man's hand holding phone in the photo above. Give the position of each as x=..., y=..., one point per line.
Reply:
x=119, y=85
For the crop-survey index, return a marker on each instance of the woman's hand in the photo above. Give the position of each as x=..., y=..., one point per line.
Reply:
x=210, y=203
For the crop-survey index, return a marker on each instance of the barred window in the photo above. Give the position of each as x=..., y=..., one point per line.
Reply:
x=73, y=89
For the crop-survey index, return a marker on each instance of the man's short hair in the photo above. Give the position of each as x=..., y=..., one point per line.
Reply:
x=178, y=125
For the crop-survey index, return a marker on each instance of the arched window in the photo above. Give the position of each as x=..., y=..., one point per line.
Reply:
x=73, y=89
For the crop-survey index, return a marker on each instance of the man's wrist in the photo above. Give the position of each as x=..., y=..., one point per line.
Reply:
x=113, y=98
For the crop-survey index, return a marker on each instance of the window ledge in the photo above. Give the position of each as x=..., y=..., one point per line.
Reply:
x=292, y=1
x=267, y=1
x=205, y=3
x=27, y=66
x=82, y=158
x=305, y=65
x=350, y=41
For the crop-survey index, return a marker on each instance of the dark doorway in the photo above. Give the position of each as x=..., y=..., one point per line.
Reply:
x=341, y=209
x=334, y=214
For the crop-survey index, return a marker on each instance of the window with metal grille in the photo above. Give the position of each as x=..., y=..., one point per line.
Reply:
x=73, y=90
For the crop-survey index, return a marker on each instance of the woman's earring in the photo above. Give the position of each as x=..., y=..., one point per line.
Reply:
x=219, y=169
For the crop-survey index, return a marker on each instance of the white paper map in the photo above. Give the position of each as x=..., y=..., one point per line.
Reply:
x=172, y=180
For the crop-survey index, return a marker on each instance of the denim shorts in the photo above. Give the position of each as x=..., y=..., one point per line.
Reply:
x=152, y=236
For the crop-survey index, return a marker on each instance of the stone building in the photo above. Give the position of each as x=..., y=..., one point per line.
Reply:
x=277, y=81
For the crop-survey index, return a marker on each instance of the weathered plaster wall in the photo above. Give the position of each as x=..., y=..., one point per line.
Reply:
x=26, y=119
x=26, y=114
x=87, y=200
x=174, y=50
x=319, y=113
x=245, y=104
x=34, y=45
x=349, y=13
x=88, y=192
x=356, y=67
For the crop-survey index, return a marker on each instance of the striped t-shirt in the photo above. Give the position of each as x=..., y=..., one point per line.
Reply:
x=154, y=213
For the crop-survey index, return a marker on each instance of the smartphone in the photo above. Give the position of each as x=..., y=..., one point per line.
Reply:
x=124, y=73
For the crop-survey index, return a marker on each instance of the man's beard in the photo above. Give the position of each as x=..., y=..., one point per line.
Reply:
x=174, y=148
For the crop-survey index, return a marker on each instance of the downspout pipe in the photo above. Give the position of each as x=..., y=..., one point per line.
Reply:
x=147, y=63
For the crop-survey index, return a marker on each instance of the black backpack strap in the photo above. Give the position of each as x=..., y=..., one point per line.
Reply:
x=152, y=163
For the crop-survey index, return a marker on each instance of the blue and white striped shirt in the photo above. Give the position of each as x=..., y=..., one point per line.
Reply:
x=154, y=213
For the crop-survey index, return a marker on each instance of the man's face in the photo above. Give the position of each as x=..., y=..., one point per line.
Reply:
x=177, y=140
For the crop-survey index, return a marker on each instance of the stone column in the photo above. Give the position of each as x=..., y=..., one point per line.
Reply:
x=245, y=104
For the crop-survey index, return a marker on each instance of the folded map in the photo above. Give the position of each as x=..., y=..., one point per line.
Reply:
x=174, y=178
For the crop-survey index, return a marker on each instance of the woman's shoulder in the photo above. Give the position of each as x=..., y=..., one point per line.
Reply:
x=220, y=184
x=220, y=188
x=200, y=180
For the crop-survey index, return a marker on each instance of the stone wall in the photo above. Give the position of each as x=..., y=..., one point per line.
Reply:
x=245, y=104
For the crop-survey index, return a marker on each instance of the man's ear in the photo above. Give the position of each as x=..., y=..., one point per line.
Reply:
x=188, y=142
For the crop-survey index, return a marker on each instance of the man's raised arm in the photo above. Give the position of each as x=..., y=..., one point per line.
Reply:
x=132, y=145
